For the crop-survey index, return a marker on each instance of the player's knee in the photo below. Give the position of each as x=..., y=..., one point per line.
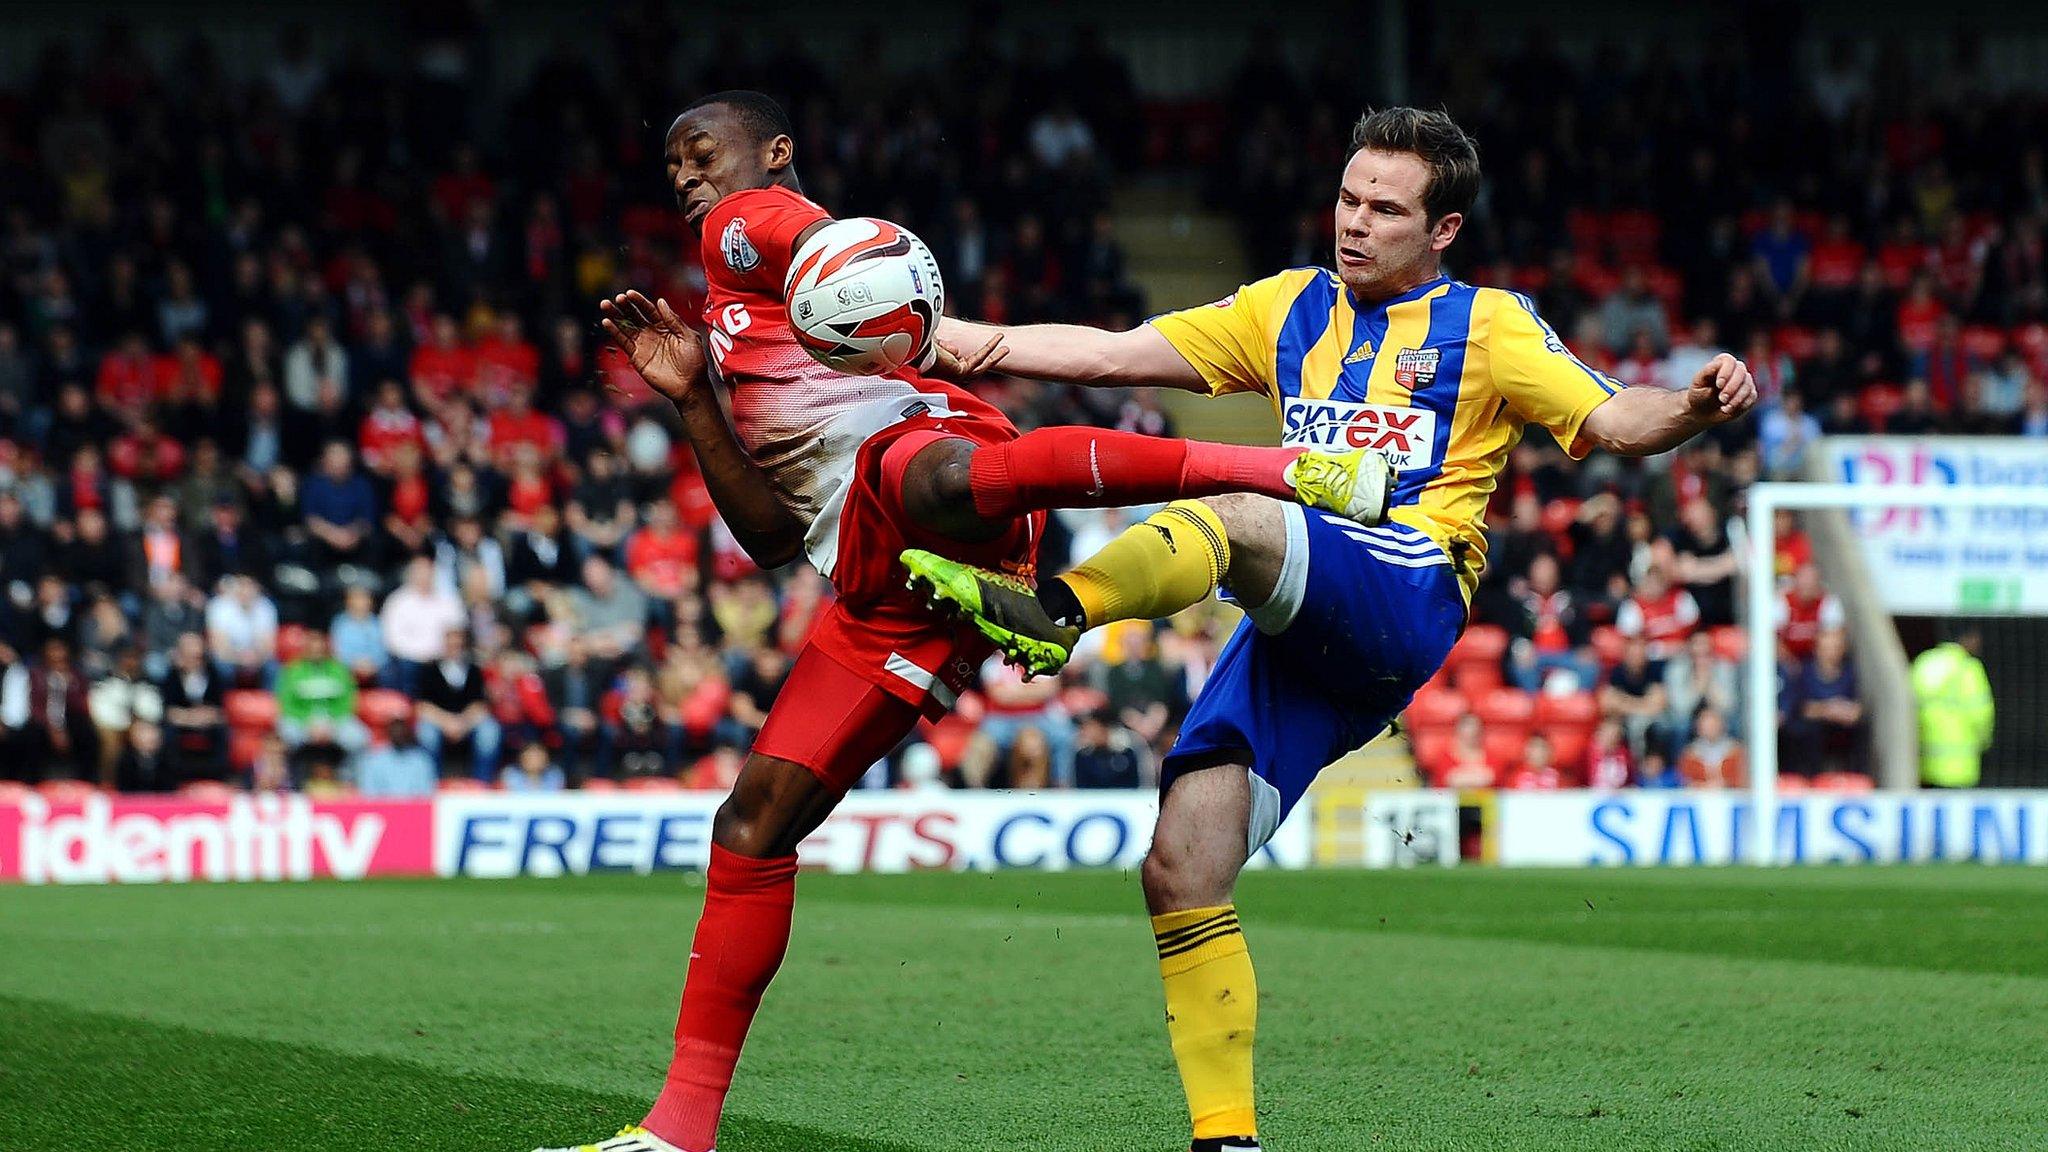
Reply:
x=740, y=828
x=1174, y=882
x=942, y=483
x=750, y=823
x=774, y=804
x=1236, y=509
x=1256, y=527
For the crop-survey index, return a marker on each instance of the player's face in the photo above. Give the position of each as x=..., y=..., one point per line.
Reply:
x=1386, y=243
x=710, y=155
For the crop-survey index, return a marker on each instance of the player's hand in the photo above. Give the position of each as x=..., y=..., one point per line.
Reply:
x=1721, y=390
x=956, y=365
x=663, y=349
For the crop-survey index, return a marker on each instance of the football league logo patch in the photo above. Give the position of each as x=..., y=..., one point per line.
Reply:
x=740, y=255
x=1415, y=368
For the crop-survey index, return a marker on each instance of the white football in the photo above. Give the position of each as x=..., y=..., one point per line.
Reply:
x=865, y=297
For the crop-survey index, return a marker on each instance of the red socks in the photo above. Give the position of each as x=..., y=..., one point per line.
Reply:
x=1099, y=468
x=739, y=945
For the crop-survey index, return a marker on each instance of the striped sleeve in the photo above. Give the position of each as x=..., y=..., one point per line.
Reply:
x=1232, y=342
x=1538, y=376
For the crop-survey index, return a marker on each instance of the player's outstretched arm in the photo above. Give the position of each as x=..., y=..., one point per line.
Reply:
x=670, y=357
x=1069, y=354
x=1646, y=421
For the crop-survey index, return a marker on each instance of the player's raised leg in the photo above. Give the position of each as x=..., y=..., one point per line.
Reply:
x=959, y=488
x=1170, y=560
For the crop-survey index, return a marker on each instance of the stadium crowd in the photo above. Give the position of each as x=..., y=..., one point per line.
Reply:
x=313, y=473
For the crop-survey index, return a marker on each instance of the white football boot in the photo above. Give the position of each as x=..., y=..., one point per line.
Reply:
x=629, y=1139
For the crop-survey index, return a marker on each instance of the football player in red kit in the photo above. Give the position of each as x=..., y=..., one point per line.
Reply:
x=850, y=471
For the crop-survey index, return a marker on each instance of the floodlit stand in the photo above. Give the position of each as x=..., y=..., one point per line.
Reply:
x=1764, y=501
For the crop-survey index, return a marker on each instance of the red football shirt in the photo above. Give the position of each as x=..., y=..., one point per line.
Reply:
x=657, y=560
x=382, y=431
x=510, y=429
x=442, y=372
x=801, y=421
x=1836, y=264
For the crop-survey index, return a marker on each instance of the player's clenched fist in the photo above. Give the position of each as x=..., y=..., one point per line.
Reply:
x=1722, y=389
x=666, y=353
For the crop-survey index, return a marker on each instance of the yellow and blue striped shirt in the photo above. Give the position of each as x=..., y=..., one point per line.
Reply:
x=1441, y=379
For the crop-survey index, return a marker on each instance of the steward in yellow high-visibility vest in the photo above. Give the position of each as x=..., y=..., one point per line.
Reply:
x=1954, y=700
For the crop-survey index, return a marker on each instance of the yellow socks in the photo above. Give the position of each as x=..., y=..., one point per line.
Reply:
x=1212, y=1013
x=1170, y=560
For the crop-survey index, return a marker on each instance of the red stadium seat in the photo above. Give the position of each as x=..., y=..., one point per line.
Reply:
x=380, y=706
x=1878, y=402
x=1440, y=681
x=949, y=737
x=1429, y=747
x=653, y=784
x=1475, y=659
x=1635, y=233
x=291, y=642
x=1594, y=278
x=243, y=745
x=1667, y=286
x=1476, y=678
x=1794, y=341
x=2031, y=341
x=1587, y=230
x=600, y=784
x=252, y=710
x=1984, y=342
x=1435, y=708
x=1480, y=642
x=1730, y=643
x=1568, y=744
x=66, y=791
x=1790, y=785
x=1576, y=708
x=14, y=792
x=1842, y=782
x=1506, y=708
x=463, y=784
x=207, y=792
x=1504, y=747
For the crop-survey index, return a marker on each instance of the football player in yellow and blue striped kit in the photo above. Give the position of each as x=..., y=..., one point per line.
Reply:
x=1388, y=355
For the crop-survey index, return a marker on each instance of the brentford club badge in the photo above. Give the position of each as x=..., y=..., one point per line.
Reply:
x=1415, y=368
x=739, y=251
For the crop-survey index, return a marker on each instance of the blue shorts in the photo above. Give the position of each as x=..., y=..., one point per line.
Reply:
x=1360, y=619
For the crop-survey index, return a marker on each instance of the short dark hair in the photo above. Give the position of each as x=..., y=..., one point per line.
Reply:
x=1452, y=157
x=757, y=112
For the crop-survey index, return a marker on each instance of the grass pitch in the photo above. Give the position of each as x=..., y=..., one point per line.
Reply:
x=1798, y=1009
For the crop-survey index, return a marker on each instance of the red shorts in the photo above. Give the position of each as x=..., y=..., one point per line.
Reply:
x=879, y=657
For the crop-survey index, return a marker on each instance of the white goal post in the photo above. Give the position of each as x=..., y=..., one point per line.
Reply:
x=1765, y=499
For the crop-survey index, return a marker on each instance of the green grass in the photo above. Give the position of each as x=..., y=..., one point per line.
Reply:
x=1803, y=1009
